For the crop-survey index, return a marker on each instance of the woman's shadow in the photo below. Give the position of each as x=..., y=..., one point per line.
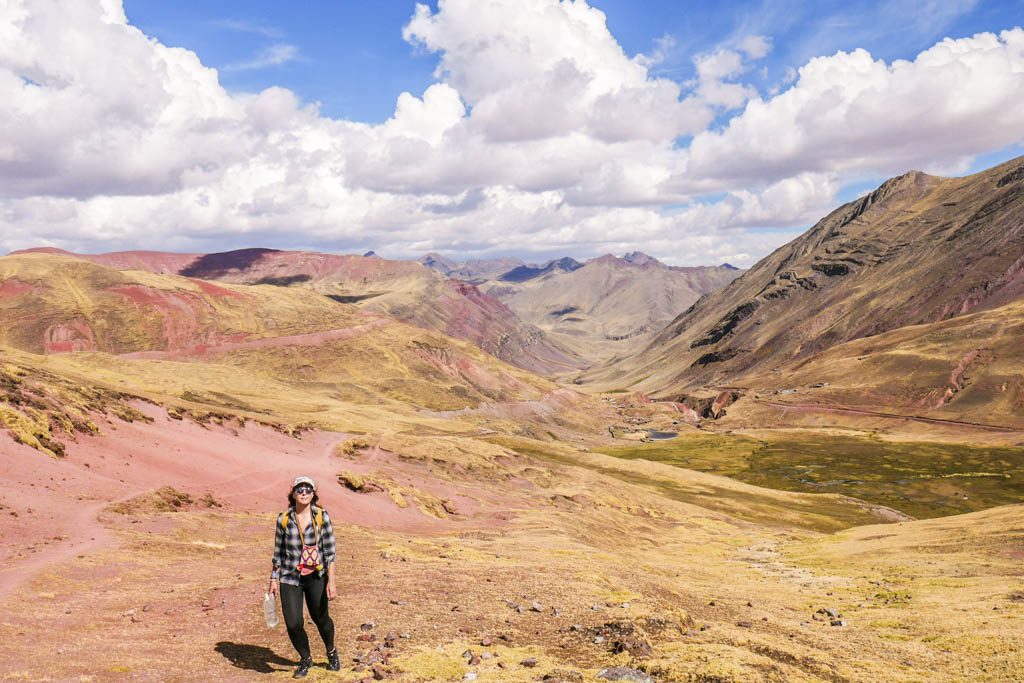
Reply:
x=253, y=657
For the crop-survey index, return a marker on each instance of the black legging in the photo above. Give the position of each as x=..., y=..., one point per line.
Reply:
x=314, y=587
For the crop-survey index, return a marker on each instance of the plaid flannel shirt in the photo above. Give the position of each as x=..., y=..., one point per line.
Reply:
x=288, y=546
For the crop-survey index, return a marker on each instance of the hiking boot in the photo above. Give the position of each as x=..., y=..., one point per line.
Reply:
x=333, y=663
x=302, y=670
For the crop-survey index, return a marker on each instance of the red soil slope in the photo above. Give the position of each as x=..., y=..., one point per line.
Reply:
x=49, y=507
x=404, y=289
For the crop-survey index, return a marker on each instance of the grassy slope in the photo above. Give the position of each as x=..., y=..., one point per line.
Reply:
x=968, y=368
x=918, y=250
x=579, y=529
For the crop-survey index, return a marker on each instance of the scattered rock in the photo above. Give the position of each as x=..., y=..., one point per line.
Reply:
x=368, y=626
x=486, y=641
x=829, y=612
x=537, y=607
x=471, y=676
x=563, y=676
x=635, y=645
x=744, y=624
x=622, y=673
x=529, y=662
x=838, y=622
x=598, y=640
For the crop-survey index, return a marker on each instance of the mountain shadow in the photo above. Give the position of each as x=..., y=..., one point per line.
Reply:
x=210, y=266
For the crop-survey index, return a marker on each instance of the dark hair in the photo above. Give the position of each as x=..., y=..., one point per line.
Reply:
x=291, y=498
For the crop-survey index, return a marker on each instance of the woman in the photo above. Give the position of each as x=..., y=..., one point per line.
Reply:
x=304, y=555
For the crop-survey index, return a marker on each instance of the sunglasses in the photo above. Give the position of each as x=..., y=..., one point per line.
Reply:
x=303, y=490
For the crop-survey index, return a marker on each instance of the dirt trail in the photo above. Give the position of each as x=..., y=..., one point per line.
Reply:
x=52, y=508
x=91, y=535
x=898, y=416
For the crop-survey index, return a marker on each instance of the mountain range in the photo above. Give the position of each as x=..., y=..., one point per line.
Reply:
x=603, y=307
x=404, y=290
x=920, y=281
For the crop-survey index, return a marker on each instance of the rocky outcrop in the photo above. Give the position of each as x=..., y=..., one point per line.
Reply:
x=70, y=336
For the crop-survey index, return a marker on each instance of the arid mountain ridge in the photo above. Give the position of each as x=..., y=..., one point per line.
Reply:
x=917, y=251
x=608, y=306
x=404, y=290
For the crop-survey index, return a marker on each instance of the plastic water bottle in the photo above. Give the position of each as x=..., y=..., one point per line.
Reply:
x=270, y=610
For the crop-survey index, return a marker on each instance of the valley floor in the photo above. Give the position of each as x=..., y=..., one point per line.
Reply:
x=144, y=553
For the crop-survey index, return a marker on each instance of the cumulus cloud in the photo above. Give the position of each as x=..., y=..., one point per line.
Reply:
x=540, y=135
x=850, y=112
x=663, y=46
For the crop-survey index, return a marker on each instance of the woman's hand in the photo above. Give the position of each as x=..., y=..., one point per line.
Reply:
x=274, y=588
x=332, y=589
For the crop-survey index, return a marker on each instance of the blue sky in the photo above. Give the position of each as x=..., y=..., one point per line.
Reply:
x=479, y=128
x=351, y=57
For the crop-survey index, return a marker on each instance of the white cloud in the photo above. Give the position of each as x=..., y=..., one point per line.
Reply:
x=541, y=135
x=754, y=46
x=663, y=47
x=850, y=112
x=271, y=55
x=244, y=26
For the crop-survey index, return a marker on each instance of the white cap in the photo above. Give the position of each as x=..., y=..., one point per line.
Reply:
x=304, y=480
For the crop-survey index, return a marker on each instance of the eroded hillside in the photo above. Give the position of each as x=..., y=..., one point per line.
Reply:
x=401, y=289
x=916, y=251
